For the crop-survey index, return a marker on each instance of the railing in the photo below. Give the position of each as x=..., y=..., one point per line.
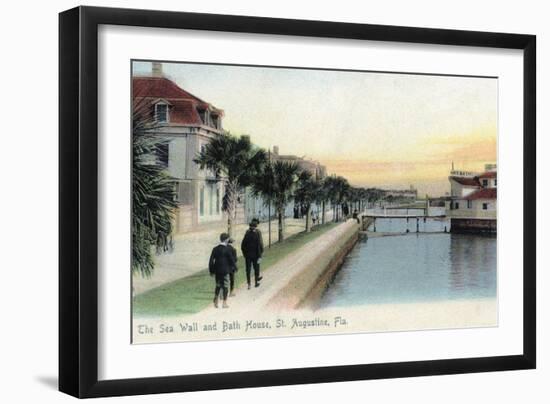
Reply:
x=471, y=214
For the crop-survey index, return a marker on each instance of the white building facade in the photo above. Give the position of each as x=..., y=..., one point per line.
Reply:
x=472, y=205
x=187, y=123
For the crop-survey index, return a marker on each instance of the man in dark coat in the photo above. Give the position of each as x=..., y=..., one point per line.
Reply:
x=252, y=247
x=345, y=210
x=356, y=216
x=234, y=269
x=257, y=221
x=220, y=266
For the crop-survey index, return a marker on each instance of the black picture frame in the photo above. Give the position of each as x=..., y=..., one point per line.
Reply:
x=78, y=201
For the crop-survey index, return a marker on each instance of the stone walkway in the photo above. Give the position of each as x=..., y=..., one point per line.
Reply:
x=254, y=304
x=250, y=302
x=192, y=252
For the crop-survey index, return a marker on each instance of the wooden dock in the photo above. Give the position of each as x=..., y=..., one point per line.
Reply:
x=386, y=216
x=368, y=219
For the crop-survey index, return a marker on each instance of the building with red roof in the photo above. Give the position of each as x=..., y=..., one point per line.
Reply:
x=463, y=186
x=484, y=193
x=161, y=100
x=473, y=202
x=488, y=179
x=188, y=123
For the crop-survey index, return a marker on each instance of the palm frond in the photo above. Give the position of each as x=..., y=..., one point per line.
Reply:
x=153, y=202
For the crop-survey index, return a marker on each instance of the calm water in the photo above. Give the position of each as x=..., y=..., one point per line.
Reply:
x=415, y=268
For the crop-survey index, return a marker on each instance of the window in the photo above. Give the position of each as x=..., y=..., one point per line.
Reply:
x=456, y=205
x=202, y=115
x=495, y=182
x=485, y=206
x=186, y=193
x=217, y=200
x=210, y=200
x=163, y=154
x=161, y=113
x=215, y=121
x=201, y=202
x=176, y=191
x=485, y=183
x=469, y=204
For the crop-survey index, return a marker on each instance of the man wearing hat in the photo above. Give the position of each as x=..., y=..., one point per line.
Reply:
x=252, y=247
x=220, y=266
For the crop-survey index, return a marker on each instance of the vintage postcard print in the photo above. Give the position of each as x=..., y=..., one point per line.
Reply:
x=276, y=202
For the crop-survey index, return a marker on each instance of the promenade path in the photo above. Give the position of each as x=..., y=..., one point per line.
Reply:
x=192, y=251
x=249, y=302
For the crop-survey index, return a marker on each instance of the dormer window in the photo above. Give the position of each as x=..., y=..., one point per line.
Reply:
x=202, y=115
x=215, y=121
x=209, y=118
x=161, y=113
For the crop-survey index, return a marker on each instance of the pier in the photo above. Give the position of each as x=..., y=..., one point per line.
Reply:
x=370, y=218
x=401, y=216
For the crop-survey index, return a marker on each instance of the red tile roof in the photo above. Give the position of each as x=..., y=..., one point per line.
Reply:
x=468, y=181
x=183, y=105
x=160, y=87
x=488, y=174
x=484, y=193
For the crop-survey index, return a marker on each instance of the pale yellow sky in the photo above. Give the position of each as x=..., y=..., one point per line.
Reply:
x=375, y=129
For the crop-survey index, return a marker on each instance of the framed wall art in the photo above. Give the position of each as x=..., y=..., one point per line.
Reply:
x=251, y=201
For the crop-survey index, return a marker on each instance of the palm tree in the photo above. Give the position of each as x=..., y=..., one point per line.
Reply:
x=363, y=196
x=350, y=198
x=263, y=186
x=329, y=186
x=341, y=188
x=374, y=194
x=355, y=196
x=284, y=179
x=153, y=200
x=235, y=161
x=153, y=191
x=336, y=188
x=275, y=183
x=322, y=197
x=306, y=193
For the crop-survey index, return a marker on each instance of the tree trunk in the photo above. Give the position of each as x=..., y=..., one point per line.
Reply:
x=232, y=206
x=323, y=213
x=269, y=222
x=308, y=218
x=280, y=214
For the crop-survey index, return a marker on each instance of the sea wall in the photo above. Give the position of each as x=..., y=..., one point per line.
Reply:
x=306, y=287
x=473, y=225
